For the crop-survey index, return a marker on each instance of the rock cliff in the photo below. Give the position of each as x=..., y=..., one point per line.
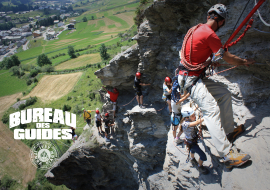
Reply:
x=142, y=154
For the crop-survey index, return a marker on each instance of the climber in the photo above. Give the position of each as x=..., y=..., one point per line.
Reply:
x=108, y=124
x=87, y=116
x=213, y=99
x=113, y=97
x=188, y=127
x=73, y=134
x=98, y=122
x=167, y=90
x=137, y=87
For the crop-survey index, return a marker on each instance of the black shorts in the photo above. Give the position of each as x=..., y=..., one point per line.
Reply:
x=138, y=91
x=168, y=97
x=98, y=123
x=88, y=121
x=107, y=130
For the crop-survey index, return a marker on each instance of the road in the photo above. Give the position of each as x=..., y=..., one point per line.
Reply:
x=11, y=51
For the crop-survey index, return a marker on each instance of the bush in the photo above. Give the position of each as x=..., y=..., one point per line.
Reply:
x=5, y=118
x=33, y=73
x=92, y=95
x=43, y=60
x=35, y=80
x=18, y=99
x=47, y=69
x=66, y=108
x=68, y=98
x=29, y=82
x=22, y=106
x=7, y=182
x=31, y=101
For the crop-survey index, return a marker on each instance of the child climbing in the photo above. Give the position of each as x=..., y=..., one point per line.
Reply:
x=167, y=90
x=137, y=87
x=113, y=97
x=98, y=118
x=188, y=126
x=73, y=134
x=108, y=124
x=176, y=104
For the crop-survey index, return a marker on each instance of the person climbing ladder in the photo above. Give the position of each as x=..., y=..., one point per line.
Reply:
x=167, y=90
x=213, y=99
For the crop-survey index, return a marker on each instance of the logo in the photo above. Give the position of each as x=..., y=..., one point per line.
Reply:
x=42, y=117
x=43, y=155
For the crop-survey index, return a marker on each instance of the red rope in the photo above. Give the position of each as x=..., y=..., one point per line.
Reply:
x=186, y=64
x=128, y=103
x=240, y=37
x=223, y=71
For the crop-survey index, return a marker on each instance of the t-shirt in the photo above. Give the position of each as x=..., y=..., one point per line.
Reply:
x=87, y=115
x=176, y=108
x=113, y=96
x=137, y=83
x=190, y=132
x=98, y=117
x=165, y=92
x=107, y=121
x=205, y=42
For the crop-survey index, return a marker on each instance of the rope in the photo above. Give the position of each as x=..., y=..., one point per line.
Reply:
x=261, y=31
x=162, y=108
x=223, y=71
x=128, y=103
x=266, y=24
x=240, y=17
x=183, y=152
x=242, y=35
x=186, y=64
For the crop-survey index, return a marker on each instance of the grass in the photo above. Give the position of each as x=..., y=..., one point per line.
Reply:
x=79, y=62
x=10, y=84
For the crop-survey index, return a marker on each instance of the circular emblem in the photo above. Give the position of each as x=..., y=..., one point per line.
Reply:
x=43, y=154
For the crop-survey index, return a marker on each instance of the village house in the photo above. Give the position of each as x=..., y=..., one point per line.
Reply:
x=73, y=21
x=25, y=34
x=50, y=35
x=42, y=28
x=36, y=33
x=8, y=18
x=71, y=26
x=30, y=18
x=38, y=17
x=60, y=24
x=10, y=12
x=25, y=28
x=21, y=42
x=56, y=21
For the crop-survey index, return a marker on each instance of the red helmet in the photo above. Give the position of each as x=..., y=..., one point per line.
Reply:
x=106, y=115
x=138, y=74
x=168, y=79
x=97, y=112
x=115, y=90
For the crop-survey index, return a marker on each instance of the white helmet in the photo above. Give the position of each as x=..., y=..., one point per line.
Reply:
x=187, y=111
x=220, y=9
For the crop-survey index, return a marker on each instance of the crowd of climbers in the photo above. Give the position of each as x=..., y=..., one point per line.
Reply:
x=213, y=99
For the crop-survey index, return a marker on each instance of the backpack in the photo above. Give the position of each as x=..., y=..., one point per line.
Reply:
x=175, y=95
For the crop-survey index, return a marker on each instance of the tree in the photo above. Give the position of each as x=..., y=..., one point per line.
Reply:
x=103, y=52
x=71, y=52
x=84, y=19
x=15, y=60
x=92, y=17
x=43, y=60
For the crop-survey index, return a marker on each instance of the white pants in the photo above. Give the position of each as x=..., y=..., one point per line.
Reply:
x=216, y=105
x=114, y=105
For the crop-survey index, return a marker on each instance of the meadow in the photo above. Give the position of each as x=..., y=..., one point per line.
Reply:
x=10, y=84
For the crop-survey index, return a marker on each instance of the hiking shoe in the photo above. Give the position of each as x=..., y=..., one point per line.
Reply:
x=235, y=159
x=203, y=170
x=178, y=140
x=237, y=131
x=194, y=162
x=142, y=107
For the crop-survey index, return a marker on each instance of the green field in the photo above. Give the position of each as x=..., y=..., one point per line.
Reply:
x=10, y=84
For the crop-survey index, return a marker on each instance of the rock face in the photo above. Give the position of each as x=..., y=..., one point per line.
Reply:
x=142, y=154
